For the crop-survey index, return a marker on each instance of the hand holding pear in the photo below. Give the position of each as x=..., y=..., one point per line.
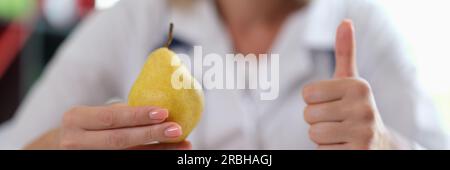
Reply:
x=155, y=87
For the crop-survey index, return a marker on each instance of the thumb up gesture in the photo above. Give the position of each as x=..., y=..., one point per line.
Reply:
x=341, y=112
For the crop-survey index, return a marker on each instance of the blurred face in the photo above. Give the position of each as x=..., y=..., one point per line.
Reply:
x=258, y=8
x=260, y=3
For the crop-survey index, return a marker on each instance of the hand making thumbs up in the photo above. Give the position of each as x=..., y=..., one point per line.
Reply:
x=342, y=112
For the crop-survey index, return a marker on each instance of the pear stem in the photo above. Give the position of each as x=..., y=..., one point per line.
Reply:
x=170, y=38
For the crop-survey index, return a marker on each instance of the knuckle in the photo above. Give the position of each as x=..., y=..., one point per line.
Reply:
x=314, y=134
x=150, y=134
x=67, y=120
x=311, y=134
x=367, y=113
x=361, y=87
x=117, y=139
x=69, y=117
x=70, y=139
x=308, y=92
x=307, y=115
x=107, y=118
x=133, y=116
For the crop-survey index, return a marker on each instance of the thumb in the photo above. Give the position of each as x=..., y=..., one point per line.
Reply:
x=345, y=51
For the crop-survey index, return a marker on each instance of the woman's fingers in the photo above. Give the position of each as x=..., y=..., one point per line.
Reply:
x=118, y=127
x=100, y=118
x=325, y=91
x=325, y=112
x=123, y=138
x=328, y=133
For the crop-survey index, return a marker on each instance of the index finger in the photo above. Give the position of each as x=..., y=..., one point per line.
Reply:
x=111, y=117
x=325, y=91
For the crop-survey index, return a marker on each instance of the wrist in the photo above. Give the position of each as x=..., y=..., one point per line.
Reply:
x=391, y=140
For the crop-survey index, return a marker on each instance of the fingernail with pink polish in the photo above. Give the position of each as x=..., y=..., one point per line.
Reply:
x=173, y=131
x=158, y=114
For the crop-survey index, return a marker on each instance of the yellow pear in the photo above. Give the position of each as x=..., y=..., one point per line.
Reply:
x=158, y=85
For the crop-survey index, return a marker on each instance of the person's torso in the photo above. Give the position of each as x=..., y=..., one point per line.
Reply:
x=238, y=118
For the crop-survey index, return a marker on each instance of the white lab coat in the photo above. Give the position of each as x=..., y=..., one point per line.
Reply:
x=104, y=56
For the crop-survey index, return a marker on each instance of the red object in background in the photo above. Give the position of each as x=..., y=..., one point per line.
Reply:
x=13, y=36
x=11, y=41
x=85, y=6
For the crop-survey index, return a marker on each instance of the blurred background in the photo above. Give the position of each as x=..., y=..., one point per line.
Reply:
x=31, y=31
